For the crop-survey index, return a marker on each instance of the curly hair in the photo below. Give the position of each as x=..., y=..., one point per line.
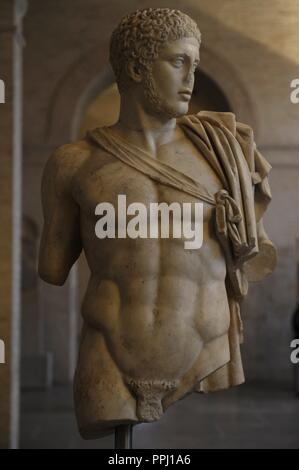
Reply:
x=141, y=34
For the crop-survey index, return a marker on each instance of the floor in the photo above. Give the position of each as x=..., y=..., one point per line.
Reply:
x=248, y=416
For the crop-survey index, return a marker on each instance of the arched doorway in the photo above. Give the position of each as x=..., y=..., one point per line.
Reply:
x=103, y=110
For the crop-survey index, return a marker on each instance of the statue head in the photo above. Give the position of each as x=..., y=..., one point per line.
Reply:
x=157, y=50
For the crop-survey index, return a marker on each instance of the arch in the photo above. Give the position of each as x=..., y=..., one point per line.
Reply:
x=229, y=81
x=103, y=109
x=80, y=83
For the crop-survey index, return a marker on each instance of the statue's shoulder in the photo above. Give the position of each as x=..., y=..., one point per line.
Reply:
x=217, y=115
x=226, y=119
x=71, y=153
x=64, y=162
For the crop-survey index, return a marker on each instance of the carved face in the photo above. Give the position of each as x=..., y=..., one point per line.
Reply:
x=169, y=83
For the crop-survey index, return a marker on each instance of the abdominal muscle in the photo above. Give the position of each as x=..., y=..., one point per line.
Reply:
x=156, y=325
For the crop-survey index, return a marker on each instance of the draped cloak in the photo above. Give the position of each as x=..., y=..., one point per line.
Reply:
x=229, y=148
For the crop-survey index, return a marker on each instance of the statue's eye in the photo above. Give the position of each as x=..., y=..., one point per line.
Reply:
x=178, y=62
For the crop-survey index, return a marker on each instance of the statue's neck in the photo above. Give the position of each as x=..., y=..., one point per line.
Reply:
x=144, y=129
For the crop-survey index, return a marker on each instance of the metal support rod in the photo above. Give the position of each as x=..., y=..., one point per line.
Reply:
x=123, y=436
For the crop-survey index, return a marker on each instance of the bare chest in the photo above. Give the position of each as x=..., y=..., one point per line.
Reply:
x=104, y=183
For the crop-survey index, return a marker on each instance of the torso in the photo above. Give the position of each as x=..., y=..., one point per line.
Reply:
x=156, y=303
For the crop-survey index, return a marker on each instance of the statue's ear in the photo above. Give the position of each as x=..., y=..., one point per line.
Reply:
x=134, y=71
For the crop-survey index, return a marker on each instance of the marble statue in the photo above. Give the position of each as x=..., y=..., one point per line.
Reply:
x=159, y=321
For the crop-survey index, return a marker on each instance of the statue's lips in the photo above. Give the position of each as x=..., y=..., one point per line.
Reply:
x=186, y=94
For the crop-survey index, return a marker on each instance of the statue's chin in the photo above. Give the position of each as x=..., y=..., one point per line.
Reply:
x=171, y=112
x=178, y=111
x=156, y=105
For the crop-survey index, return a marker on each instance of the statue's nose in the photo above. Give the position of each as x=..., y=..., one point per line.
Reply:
x=189, y=80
